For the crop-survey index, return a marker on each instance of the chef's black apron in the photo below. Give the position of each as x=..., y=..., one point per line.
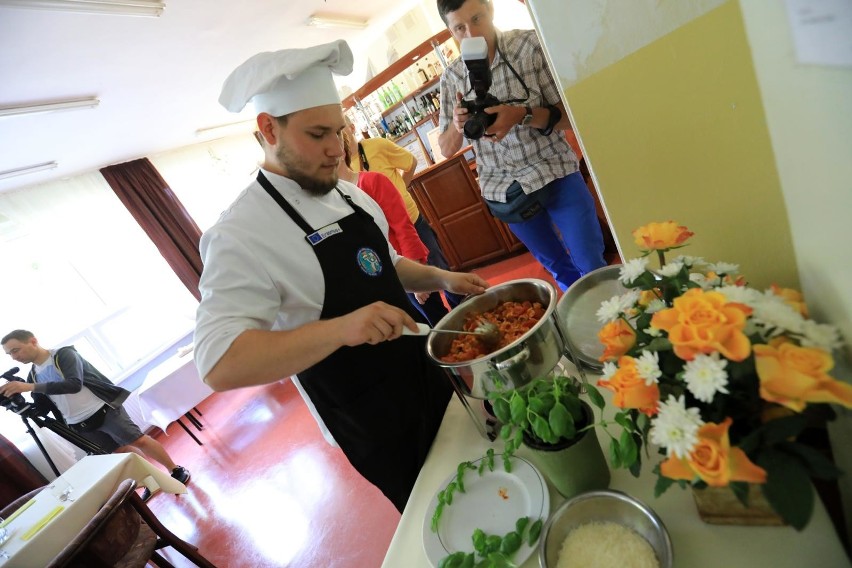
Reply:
x=382, y=403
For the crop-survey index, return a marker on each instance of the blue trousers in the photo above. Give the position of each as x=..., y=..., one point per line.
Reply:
x=565, y=237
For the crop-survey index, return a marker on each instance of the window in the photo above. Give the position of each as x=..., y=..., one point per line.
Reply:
x=79, y=270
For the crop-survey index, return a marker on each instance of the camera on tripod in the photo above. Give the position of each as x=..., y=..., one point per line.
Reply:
x=474, y=52
x=15, y=403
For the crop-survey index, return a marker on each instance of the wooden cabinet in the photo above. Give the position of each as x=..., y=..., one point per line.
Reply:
x=448, y=195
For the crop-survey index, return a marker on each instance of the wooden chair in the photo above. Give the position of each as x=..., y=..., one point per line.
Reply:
x=124, y=533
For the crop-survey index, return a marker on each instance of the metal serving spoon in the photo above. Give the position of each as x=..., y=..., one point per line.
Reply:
x=486, y=332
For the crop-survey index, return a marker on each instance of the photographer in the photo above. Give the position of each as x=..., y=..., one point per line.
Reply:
x=528, y=174
x=88, y=402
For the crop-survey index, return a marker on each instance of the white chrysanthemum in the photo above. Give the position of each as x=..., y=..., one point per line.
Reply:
x=690, y=261
x=705, y=376
x=670, y=269
x=776, y=316
x=610, y=310
x=701, y=280
x=676, y=427
x=632, y=269
x=648, y=367
x=655, y=306
x=628, y=300
x=820, y=335
x=654, y=331
x=724, y=267
x=740, y=294
x=609, y=369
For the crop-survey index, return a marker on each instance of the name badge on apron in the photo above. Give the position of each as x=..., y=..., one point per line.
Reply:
x=327, y=231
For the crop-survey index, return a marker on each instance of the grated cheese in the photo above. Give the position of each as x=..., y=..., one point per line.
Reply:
x=606, y=545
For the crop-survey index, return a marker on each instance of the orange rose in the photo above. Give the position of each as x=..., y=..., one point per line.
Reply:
x=704, y=322
x=630, y=388
x=618, y=337
x=661, y=236
x=793, y=298
x=713, y=460
x=793, y=376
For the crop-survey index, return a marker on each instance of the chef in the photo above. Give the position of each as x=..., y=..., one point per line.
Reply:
x=299, y=279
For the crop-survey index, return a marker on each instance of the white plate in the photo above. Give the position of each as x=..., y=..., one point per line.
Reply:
x=492, y=502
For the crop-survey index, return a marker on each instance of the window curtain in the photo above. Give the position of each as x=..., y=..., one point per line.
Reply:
x=162, y=216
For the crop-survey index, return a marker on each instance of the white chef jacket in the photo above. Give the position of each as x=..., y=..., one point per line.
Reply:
x=260, y=273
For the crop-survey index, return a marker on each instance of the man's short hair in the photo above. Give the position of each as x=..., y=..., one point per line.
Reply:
x=21, y=335
x=447, y=6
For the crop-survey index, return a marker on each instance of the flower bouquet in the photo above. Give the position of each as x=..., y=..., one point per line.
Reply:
x=723, y=378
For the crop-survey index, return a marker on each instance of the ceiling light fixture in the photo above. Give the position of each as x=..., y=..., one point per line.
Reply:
x=28, y=170
x=225, y=129
x=150, y=8
x=321, y=21
x=71, y=104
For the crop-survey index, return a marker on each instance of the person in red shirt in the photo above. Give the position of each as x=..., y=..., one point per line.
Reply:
x=402, y=234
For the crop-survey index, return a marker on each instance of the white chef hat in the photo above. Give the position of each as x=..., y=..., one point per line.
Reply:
x=281, y=82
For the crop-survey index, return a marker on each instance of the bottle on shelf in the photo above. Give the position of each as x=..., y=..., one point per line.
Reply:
x=433, y=71
x=396, y=91
x=422, y=74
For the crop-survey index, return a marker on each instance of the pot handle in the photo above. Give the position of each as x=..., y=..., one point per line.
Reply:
x=513, y=360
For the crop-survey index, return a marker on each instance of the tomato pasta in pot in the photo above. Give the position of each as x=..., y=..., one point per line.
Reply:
x=513, y=320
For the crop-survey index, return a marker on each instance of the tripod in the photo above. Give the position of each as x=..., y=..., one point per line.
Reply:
x=18, y=404
x=62, y=430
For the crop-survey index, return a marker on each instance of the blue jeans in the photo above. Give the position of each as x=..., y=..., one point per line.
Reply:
x=568, y=222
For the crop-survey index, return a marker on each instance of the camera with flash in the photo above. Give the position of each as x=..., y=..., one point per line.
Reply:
x=474, y=52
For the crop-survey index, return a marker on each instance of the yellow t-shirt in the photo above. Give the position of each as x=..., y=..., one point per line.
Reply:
x=386, y=157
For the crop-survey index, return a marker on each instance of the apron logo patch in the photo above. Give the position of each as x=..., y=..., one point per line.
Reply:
x=369, y=262
x=324, y=233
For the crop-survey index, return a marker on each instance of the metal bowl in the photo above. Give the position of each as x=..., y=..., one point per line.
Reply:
x=577, y=313
x=604, y=506
x=534, y=354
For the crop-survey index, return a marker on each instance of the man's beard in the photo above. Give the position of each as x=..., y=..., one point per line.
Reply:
x=296, y=171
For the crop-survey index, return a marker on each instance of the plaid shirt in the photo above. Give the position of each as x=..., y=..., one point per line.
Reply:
x=524, y=154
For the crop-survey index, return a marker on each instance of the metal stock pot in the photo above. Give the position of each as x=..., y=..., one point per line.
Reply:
x=533, y=355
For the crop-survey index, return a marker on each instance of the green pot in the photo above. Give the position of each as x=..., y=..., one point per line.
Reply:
x=572, y=466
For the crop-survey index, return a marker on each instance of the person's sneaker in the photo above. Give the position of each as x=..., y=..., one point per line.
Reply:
x=181, y=474
x=146, y=494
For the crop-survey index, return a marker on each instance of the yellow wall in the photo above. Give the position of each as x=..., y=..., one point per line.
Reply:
x=677, y=130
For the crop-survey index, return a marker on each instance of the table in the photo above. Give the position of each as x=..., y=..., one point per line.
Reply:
x=170, y=391
x=696, y=544
x=93, y=479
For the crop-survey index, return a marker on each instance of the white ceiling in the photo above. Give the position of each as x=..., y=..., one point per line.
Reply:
x=158, y=79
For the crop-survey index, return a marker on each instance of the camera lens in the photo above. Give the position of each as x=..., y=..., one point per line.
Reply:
x=475, y=126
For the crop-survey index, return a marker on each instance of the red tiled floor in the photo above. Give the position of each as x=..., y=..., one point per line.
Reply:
x=268, y=491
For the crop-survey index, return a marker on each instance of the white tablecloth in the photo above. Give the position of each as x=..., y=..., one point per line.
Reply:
x=93, y=479
x=170, y=390
x=696, y=544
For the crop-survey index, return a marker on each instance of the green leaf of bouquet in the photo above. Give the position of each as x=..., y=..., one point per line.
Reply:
x=507, y=462
x=818, y=464
x=469, y=561
x=788, y=487
x=781, y=429
x=521, y=524
x=659, y=344
x=614, y=453
x=479, y=541
x=624, y=420
x=492, y=543
x=629, y=451
x=740, y=490
x=454, y=560
x=595, y=396
x=662, y=485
